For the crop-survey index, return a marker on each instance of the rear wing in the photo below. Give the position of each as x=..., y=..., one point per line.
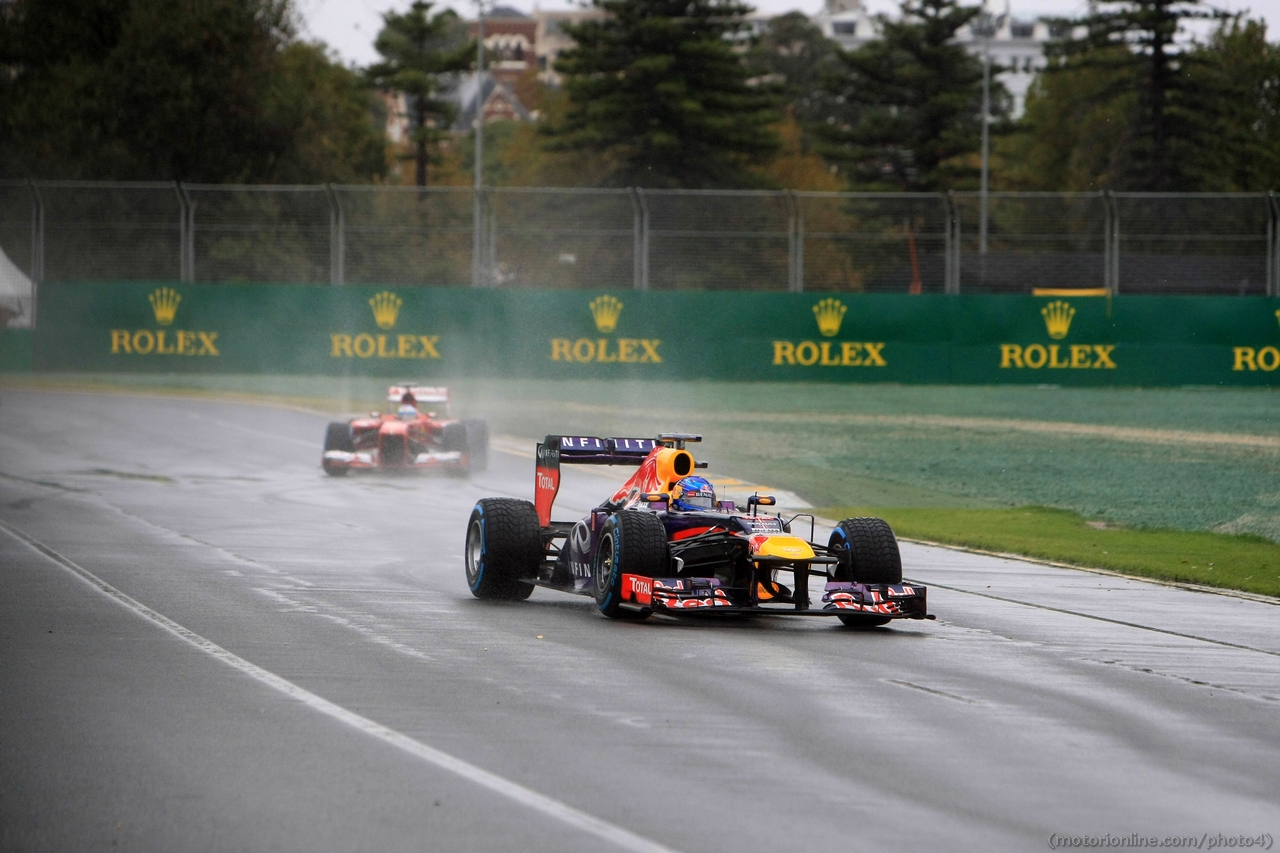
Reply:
x=421, y=393
x=581, y=450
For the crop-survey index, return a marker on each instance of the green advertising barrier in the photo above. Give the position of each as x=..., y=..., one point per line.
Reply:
x=16, y=350
x=425, y=333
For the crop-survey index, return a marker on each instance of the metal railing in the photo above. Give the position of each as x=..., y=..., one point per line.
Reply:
x=644, y=239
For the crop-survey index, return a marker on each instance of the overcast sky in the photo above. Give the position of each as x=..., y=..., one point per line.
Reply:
x=349, y=26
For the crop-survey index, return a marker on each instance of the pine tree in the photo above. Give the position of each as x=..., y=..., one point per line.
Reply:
x=658, y=89
x=417, y=48
x=1135, y=45
x=1233, y=107
x=912, y=103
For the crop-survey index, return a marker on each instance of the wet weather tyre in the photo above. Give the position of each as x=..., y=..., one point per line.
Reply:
x=337, y=436
x=453, y=436
x=868, y=553
x=503, y=549
x=632, y=542
x=477, y=445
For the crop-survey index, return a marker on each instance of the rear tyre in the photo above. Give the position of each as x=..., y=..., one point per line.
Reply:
x=868, y=553
x=503, y=550
x=632, y=542
x=337, y=436
x=477, y=444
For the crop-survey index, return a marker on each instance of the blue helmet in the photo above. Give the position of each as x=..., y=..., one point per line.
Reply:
x=692, y=494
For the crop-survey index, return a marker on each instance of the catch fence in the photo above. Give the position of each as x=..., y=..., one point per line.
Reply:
x=644, y=239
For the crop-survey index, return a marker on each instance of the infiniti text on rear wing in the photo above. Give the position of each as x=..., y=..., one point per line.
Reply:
x=580, y=450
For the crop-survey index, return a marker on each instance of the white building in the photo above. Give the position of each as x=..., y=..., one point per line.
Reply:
x=1015, y=45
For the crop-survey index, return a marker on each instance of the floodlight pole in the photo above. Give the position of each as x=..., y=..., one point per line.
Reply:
x=986, y=131
x=478, y=279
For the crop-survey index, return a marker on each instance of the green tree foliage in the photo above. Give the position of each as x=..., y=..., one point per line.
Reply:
x=1138, y=72
x=657, y=89
x=1091, y=124
x=417, y=48
x=1234, y=106
x=210, y=91
x=795, y=54
x=336, y=121
x=1073, y=135
x=912, y=103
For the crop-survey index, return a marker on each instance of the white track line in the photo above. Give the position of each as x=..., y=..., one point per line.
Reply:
x=566, y=814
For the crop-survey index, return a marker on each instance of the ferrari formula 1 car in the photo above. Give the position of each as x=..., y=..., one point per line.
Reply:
x=662, y=543
x=409, y=439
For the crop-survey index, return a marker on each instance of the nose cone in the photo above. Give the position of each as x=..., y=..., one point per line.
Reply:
x=781, y=545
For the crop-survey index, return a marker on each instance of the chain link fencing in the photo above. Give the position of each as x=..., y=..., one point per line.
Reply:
x=643, y=239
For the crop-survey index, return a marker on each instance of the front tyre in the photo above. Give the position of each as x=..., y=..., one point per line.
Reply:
x=868, y=553
x=503, y=550
x=632, y=542
x=337, y=436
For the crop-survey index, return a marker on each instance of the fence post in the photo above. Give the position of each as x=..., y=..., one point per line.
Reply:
x=37, y=246
x=951, y=252
x=337, y=236
x=796, y=261
x=637, y=237
x=477, y=238
x=1273, y=244
x=1111, y=244
x=491, y=238
x=186, y=234
x=643, y=283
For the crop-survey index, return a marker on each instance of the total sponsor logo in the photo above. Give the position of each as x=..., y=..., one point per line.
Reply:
x=606, y=311
x=637, y=589
x=1057, y=317
x=829, y=314
x=164, y=305
x=386, y=311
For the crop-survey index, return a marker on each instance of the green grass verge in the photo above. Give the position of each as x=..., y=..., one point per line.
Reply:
x=1248, y=563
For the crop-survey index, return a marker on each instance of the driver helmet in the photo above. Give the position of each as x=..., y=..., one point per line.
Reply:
x=408, y=410
x=692, y=494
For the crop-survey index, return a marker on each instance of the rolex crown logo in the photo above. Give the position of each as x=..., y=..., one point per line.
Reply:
x=165, y=303
x=1057, y=318
x=830, y=314
x=605, y=310
x=386, y=307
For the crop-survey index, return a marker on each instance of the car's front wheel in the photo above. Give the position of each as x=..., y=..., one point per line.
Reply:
x=868, y=553
x=632, y=542
x=503, y=549
x=337, y=436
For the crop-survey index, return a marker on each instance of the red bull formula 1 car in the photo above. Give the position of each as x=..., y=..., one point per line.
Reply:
x=408, y=440
x=663, y=544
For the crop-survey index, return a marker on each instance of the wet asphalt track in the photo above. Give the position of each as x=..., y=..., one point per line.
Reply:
x=311, y=674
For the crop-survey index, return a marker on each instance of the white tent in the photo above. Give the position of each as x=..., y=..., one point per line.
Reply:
x=16, y=294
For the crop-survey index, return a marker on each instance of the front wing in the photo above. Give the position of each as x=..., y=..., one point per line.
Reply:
x=687, y=596
x=366, y=460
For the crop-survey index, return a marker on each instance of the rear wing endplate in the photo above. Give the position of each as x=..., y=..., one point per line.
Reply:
x=580, y=450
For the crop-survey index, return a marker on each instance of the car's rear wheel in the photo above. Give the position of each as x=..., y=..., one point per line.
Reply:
x=477, y=444
x=503, y=550
x=337, y=436
x=632, y=542
x=868, y=553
